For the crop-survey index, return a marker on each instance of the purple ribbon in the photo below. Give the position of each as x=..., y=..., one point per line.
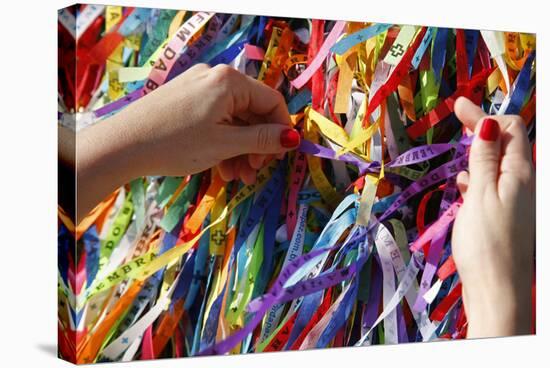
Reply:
x=413, y=156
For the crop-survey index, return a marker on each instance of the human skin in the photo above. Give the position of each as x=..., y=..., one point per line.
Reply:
x=204, y=118
x=494, y=231
x=219, y=117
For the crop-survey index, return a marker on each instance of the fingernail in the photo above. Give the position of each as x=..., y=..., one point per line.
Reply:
x=290, y=138
x=489, y=130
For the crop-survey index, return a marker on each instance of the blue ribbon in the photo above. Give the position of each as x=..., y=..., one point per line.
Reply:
x=439, y=52
x=522, y=86
x=92, y=245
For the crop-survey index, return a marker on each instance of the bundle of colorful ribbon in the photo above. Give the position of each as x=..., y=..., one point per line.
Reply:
x=344, y=242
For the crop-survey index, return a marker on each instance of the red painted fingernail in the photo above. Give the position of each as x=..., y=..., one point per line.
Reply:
x=290, y=138
x=489, y=130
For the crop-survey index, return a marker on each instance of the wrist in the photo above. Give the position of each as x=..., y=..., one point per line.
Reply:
x=105, y=160
x=106, y=150
x=499, y=311
x=138, y=130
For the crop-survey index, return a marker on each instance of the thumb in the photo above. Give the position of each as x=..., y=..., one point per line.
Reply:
x=260, y=139
x=485, y=154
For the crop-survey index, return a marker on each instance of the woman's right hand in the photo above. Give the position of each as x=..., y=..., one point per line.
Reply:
x=494, y=232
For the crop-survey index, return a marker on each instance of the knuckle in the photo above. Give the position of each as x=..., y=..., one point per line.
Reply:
x=519, y=167
x=222, y=74
x=263, y=140
x=518, y=120
x=485, y=157
x=515, y=124
x=221, y=79
x=200, y=66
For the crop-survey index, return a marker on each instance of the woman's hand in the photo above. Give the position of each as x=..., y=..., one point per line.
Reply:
x=493, y=235
x=212, y=116
x=203, y=118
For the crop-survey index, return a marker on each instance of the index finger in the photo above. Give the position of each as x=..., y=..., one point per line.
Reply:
x=516, y=158
x=514, y=135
